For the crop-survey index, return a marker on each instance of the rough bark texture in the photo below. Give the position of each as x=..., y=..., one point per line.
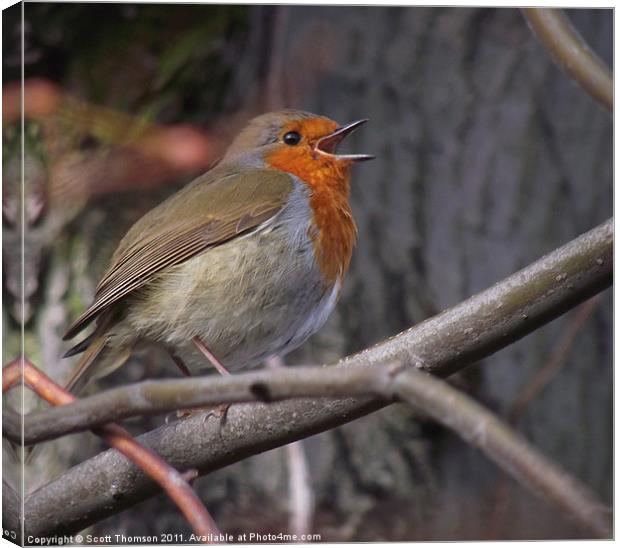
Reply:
x=488, y=156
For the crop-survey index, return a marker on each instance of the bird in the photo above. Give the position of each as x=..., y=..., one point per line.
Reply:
x=243, y=263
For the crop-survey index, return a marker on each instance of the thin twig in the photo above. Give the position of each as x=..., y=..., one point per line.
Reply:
x=167, y=477
x=301, y=494
x=504, y=446
x=11, y=375
x=532, y=389
x=572, y=53
x=557, y=359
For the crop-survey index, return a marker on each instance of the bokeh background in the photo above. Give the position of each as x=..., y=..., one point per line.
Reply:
x=488, y=156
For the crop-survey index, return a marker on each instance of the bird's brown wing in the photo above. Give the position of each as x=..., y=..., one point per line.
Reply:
x=216, y=208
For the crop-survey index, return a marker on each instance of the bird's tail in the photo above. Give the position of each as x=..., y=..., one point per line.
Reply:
x=93, y=346
x=81, y=346
x=98, y=358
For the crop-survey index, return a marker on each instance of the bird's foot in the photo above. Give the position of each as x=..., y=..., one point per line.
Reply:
x=219, y=411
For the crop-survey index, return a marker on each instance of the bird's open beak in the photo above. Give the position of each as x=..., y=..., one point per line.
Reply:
x=327, y=145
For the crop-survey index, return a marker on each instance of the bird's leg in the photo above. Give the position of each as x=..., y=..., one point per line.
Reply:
x=179, y=363
x=181, y=413
x=222, y=409
x=210, y=356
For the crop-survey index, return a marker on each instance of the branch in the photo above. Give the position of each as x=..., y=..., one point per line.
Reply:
x=572, y=53
x=11, y=376
x=167, y=477
x=11, y=509
x=446, y=405
x=509, y=450
x=450, y=341
x=155, y=397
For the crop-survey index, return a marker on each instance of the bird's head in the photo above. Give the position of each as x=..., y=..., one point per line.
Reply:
x=300, y=143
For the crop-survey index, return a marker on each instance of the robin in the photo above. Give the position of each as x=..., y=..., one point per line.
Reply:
x=245, y=262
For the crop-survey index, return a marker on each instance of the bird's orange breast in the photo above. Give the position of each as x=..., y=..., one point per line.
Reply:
x=334, y=231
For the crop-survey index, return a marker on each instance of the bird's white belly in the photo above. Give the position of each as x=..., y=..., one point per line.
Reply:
x=259, y=295
x=259, y=326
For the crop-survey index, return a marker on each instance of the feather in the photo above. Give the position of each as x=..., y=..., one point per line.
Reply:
x=223, y=204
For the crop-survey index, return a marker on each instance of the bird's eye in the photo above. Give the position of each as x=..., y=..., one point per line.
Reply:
x=291, y=138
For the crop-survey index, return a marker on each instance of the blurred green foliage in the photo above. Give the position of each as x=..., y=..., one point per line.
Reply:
x=159, y=61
